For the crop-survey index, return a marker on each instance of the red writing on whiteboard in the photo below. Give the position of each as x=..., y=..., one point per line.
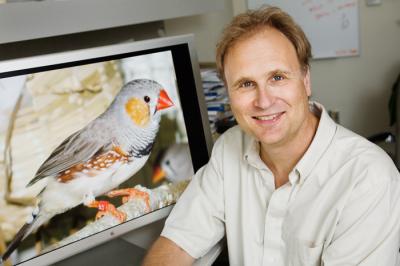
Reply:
x=321, y=15
x=315, y=8
x=347, y=5
x=346, y=52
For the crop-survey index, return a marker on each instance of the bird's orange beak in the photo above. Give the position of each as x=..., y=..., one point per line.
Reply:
x=158, y=175
x=163, y=101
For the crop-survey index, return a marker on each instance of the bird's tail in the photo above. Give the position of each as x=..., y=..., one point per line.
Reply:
x=21, y=235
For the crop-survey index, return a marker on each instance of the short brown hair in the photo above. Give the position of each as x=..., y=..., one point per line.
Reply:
x=253, y=21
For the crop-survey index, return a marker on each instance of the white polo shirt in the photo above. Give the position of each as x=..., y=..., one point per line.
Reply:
x=341, y=205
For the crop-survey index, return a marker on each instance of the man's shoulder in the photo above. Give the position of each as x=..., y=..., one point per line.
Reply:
x=234, y=135
x=362, y=155
x=233, y=132
x=354, y=164
x=233, y=141
x=354, y=145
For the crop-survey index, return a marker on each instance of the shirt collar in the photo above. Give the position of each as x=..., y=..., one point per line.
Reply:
x=323, y=137
x=252, y=153
x=320, y=143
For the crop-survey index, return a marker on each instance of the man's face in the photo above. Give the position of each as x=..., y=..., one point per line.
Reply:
x=267, y=89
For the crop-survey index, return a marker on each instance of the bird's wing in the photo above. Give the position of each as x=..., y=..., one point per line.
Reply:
x=76, y=149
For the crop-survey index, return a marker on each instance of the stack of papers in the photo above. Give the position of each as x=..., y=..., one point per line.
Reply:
x=217, y=101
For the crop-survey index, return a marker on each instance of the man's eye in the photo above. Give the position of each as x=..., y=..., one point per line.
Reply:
x=278, y=77
x=247, y=84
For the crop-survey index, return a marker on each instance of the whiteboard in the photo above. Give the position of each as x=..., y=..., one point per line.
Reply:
x=330, y=25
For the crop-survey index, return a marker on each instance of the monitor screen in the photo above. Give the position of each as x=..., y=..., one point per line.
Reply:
x=95, y=143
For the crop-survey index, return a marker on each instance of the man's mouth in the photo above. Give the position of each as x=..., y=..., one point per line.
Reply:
x=272, y=117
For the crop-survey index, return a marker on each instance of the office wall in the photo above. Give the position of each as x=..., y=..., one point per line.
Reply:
x=206, y=28
x=357, y=87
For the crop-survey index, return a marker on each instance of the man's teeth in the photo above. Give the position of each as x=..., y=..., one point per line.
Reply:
x=267, y=117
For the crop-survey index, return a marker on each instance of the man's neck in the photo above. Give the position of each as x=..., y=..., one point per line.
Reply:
x=281, y=159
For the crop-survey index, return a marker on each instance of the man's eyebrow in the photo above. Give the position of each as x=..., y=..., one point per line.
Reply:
x=267, y=74
x=279, y=71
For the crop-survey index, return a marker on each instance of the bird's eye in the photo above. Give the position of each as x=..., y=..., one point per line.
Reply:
x=167, y=162
x=146, y=99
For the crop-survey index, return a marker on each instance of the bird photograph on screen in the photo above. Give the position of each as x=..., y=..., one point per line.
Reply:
x=97, y=166
x=98, y=158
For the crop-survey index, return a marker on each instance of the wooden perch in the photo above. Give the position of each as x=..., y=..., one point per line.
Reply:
x=161, y=196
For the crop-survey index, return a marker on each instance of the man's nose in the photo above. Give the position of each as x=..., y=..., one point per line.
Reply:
x=264, y=98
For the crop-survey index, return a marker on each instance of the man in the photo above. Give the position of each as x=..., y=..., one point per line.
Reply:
x=288, y=186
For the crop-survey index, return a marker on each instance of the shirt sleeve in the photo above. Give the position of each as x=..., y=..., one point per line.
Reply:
x=196, y=223
x=368, y=232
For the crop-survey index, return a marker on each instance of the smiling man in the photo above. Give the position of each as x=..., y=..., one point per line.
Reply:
x=288, y=186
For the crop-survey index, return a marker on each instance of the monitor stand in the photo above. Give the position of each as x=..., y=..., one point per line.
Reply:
x=115, y=252
x=130, y=249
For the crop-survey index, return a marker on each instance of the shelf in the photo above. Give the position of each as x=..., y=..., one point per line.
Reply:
x=21, y=21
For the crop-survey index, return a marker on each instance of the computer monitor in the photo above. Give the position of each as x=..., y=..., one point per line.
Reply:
x=46, y=99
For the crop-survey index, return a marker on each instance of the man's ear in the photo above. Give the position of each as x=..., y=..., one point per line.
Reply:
x=307, y=81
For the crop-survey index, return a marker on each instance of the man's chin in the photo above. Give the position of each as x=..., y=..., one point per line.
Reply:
x=270, y=142
x=269, y=139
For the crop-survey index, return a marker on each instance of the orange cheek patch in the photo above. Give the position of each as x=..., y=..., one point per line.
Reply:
x=138, y=111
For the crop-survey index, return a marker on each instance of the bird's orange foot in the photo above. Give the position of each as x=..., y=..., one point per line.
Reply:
x=105, y=207
x=131, y=193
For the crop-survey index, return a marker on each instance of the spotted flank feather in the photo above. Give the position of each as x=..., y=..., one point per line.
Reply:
x=101, y=162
